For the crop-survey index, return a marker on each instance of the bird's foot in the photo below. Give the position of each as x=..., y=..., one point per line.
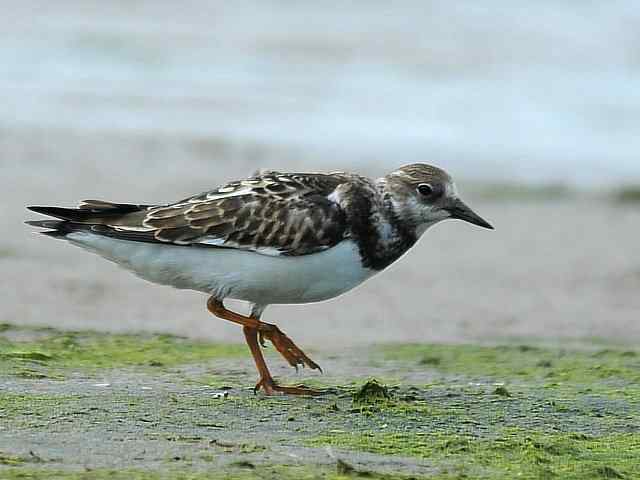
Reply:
x=286, y=347
x=270, y=387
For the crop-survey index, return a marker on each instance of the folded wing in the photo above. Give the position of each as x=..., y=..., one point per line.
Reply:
x=273, y=214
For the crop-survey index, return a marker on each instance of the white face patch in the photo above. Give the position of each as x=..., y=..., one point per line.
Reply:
x=422, y=213
x=431, y=215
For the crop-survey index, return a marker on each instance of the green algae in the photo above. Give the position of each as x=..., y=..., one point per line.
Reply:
x=242, y=470
x=8, y=252
x=371, y=391
x=627, y=194
x=343, y=385
x=9, y=459
x=489, y=412
x=34, y=411
x=513, y=453
x=521, y=362
x=502, y=391
x=48, y=352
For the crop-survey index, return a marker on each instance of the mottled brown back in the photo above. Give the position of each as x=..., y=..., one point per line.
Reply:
x=273, y=213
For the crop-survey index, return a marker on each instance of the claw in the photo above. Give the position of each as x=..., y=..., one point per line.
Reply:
x=285, y=346
x=270, y=387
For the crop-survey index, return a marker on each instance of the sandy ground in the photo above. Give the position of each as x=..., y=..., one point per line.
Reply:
x=87, y=406
x=551, y=270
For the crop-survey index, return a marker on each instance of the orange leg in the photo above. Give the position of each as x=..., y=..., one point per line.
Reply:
x=251, y=328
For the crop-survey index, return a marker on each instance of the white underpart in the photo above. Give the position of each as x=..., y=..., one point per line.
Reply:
x=238, y=274
x=221, y=242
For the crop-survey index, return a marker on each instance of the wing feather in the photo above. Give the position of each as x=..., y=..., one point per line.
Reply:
x=275, y=214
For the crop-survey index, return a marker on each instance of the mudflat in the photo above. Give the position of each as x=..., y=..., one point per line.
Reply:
x=92, y=406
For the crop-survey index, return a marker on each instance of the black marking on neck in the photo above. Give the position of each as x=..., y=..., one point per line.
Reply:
x=365, y=212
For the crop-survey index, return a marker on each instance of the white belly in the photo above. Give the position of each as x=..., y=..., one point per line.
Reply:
x=238, y=274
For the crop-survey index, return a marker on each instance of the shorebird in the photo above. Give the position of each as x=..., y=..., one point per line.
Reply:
x=273, y=238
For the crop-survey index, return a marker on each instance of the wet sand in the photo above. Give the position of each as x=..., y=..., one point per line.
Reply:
x=94, y=406
x=555, y=271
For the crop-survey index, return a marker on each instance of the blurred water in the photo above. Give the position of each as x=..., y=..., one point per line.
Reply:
x=499, y=89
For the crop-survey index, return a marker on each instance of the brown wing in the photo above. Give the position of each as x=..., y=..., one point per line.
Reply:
x=274, y=213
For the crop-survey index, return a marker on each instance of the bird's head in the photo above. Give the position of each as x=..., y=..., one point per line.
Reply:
x=422, y=195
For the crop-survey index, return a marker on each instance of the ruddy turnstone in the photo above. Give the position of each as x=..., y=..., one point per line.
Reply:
x=275, y=237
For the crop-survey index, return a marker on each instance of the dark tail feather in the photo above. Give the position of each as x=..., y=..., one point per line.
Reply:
x=89, y=209
x=91, y=215
x=53, y=224
x=56, y=228
x=55, y=233
x=62, y=213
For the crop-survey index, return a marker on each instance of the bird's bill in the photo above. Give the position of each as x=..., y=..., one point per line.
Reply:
x=458, y=209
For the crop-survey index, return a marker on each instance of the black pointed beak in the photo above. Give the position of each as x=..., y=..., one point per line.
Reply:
x=458, y=209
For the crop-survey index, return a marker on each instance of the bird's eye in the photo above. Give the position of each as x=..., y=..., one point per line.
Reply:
x=425, y=189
